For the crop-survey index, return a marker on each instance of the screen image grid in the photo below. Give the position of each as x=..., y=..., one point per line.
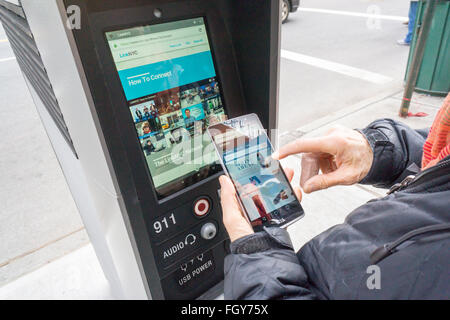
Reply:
x=173, y=94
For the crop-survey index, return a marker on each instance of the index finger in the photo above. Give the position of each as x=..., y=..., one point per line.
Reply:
x=323, y=144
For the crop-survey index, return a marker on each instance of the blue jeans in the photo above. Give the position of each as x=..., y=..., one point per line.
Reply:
x=412, y=20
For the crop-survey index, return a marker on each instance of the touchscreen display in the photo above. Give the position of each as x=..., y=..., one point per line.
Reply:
x=169, y=80
x=260, y=182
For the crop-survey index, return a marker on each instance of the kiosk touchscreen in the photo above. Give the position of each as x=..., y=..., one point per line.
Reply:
x=173, y=93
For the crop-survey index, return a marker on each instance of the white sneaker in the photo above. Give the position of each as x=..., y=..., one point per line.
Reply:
x=402, y=42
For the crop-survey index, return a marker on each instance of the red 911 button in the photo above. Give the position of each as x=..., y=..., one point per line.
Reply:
x=202, y=207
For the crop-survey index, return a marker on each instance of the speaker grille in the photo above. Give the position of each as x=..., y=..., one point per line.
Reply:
x=22, y=42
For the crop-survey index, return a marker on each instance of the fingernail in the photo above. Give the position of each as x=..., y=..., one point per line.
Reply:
x=275, y=155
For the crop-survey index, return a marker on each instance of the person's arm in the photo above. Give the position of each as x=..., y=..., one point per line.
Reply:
x=264, y=266
x=261, y=265
x=397, y=151
x=381, y=154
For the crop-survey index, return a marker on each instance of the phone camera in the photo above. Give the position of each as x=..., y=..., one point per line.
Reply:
x=157, y=13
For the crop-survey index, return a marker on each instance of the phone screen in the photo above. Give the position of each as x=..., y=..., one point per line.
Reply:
x=264, y=192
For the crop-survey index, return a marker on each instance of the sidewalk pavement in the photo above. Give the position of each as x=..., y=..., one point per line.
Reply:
x=77, y=275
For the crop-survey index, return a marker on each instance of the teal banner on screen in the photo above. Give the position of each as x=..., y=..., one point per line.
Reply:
x=151, y=78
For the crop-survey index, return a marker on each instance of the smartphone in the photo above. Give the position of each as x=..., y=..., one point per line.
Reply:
x=264, y=192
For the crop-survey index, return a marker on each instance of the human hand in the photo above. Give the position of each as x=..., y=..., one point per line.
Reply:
x=343, y=155
x=236, y=221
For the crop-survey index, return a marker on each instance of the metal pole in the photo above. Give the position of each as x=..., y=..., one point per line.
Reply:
x=417, y=58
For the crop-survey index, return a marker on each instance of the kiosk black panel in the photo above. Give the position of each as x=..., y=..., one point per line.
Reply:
x=160, y=72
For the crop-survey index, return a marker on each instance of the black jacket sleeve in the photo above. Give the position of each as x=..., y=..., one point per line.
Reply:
x=264, y=266
x=397, y=151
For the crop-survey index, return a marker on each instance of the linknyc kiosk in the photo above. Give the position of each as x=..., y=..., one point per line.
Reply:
x=119, y=85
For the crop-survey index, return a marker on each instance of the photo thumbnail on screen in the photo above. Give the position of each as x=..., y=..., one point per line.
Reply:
x=260, y=182
x=169, y=80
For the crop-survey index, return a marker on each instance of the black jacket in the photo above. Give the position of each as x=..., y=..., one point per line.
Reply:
x=337, y=263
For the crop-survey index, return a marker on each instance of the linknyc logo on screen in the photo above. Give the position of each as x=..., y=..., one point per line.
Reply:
x=128, y=54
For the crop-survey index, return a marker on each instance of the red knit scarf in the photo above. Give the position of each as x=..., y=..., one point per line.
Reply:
x=437, y=146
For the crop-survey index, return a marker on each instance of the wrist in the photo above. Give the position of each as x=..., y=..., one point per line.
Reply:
x=238, y=234
x=366, y=155
x=269, y=238
x=378, y=143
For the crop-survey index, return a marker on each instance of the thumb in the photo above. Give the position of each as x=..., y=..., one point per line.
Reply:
x=227, y=190
x=323, y=181
x=228, y=197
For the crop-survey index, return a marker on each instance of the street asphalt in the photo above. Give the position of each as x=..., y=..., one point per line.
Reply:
x=309, y=92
